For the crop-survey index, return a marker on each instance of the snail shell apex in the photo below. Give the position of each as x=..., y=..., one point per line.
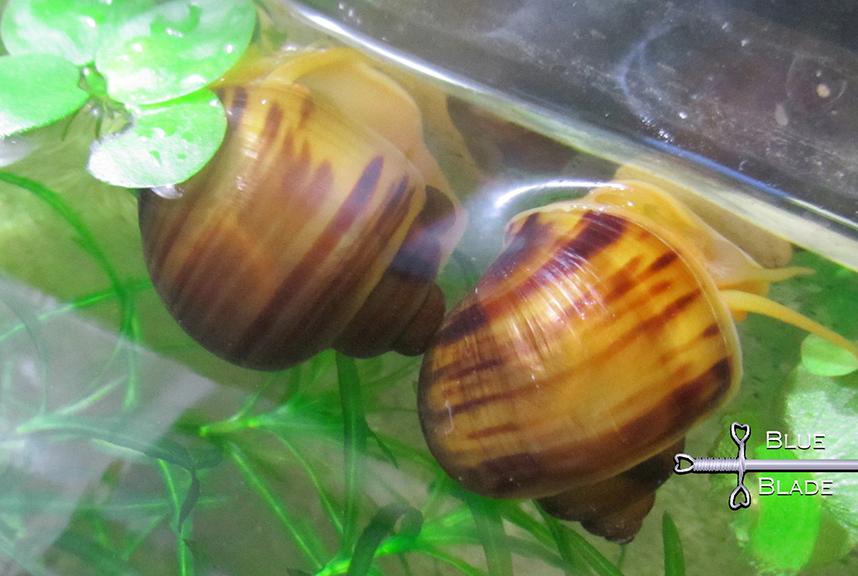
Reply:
x=309, y=229
x=594, y=342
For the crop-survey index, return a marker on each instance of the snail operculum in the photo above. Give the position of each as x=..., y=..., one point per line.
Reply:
x=305, y=217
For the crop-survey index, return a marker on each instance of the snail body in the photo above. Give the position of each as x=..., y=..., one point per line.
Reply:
x=601, y=334
x=316, y=225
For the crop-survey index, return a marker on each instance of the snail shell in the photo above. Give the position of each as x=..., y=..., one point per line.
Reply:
x=601, y=334
x=321, y=222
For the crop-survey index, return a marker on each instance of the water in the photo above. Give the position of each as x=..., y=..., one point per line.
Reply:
x=126, y=448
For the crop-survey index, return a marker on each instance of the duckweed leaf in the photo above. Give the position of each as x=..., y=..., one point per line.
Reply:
x=174, y=48
x=825, y=359
x=164, y=145
x=37, y=89
x=821, y=404
x=67, y=28
x=782, y=534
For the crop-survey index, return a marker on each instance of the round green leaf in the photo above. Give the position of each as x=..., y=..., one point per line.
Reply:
x=165, y=144
x=37, y=89
x=174, y=49
x=825, y=359
x=825, y=405
x=784, y=533
x=67, y=28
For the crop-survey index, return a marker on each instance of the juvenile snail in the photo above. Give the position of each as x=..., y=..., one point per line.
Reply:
x=601, y=334
x=321, y=222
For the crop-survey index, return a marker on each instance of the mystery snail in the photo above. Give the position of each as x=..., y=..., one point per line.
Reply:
x=321, y=222
x=601, y=334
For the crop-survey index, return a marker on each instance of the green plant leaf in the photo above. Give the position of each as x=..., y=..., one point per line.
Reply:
x=67, y=28
x=165, y=144
x=382, y=525
x=354, y=442
x=821, y=404
x=490, y=531
x=674, y=558
x=822, y=357
x=37, y=89
x=783, y=532
x=174, y=48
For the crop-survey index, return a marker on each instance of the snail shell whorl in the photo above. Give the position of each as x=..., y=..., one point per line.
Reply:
x=616, y=507
x=592, y=343
x=301, y=222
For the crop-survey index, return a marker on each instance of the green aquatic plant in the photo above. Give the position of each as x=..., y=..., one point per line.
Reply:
x=331, y=399
x=317, y=437
x=142, y=64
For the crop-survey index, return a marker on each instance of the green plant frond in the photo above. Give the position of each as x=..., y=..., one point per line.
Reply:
x=674, y=558
x=306, y=540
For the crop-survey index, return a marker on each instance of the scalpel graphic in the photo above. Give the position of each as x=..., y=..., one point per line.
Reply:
x=740, y=497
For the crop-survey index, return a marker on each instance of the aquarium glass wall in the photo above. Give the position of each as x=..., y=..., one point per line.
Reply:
x=406, y=288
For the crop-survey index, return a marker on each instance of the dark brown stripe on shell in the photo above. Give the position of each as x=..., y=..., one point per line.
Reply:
x=531, y=237
x=596, y=231
x=307, y=108
x=507, y=474
x=474, y=403
x=622, y=283
x=711, y=330
x=600, y=231
x=273, y=119
x=236, y=106
x=462, y=322
x=659, y=287
x=395, y=208
x=652, y=324
x=493, y=431
x=457, y=370
x=662, y=261
x=195, y=261
x=323, y=312
x=682, y=406
x=698, y=393
x=696, y=396
x=298, y=184
x=357, y=199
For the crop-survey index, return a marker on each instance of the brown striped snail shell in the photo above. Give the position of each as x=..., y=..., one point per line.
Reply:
x=601, y=334
x=321, y=222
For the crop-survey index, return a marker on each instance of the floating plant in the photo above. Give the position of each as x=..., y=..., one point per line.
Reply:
x=150, y=62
